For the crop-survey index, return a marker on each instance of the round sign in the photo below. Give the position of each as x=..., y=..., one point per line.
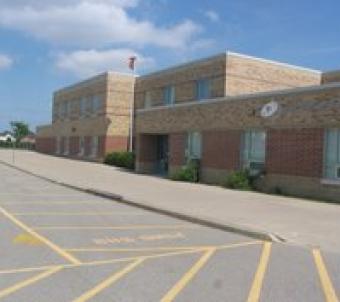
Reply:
x=269, y=109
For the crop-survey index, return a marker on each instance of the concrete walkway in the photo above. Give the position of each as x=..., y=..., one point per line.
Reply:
x=295, y=220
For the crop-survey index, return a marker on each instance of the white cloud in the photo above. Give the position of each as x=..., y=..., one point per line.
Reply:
x=84, y=63
x=212, y=15
x=5, y=61
x=92, y=24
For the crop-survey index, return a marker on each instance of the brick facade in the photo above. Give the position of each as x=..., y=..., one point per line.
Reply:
x=116, y=143
x=297, y=152
x=177, y=145
x=46, y=145
x=221, y=149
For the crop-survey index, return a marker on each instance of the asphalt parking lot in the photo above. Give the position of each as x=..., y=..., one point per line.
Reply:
x=58, y=244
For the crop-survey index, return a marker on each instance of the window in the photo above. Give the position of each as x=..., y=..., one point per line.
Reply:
x=148, y=100
x=66, y=145
x=97, y=103
x=94, y=146
x=194, y=146
x=169, y=95
x=202, y=89
x=89, y=105
x=332, y=154
x=254, y=150
x=81, y=146
x=58, y=145
x=82, y=107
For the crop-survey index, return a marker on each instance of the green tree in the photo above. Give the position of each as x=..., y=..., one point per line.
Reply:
x=20, y=130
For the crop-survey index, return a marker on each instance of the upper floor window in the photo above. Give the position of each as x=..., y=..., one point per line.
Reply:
x=63, y=109
x=82, y=107
x=254, y=150
x=97, y=103
x=89, y=105
x=169, y=95
x=194, y=145
x=332, y=154
x=148, y=99
x=203, y=89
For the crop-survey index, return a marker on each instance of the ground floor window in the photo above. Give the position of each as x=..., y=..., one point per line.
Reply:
x=332, y=154
x=81, y=146
x=254, y=150
x=194, y=146
x=94, y=146
x=58, y=145
x=66, y=145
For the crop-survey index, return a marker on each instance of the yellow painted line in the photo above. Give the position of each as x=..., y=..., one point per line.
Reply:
x=255, y=291
x=50, y=244
x=189, y=275
x=325, y=280
x=124, y=227
x=10, y=290
x=221, y=247
x=109, y=281
x=78, y=214
x=188, y=250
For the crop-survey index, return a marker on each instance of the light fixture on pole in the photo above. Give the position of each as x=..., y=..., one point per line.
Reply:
x=132, y=65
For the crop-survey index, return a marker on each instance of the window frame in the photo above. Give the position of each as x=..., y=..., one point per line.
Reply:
x=169, y=95
x=248, y=154
x=332, y=165
x=200, y=87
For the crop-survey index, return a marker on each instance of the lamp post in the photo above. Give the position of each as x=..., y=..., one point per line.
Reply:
x=132, y=65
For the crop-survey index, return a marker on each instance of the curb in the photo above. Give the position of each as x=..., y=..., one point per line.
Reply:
x=261, y=235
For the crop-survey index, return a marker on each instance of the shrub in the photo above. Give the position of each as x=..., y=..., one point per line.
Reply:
x=121, y=159
x=189, y=173
x=239, y=180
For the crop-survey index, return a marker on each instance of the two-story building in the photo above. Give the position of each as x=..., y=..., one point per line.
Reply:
x=90, y=118
x=233, y=112
x=229, y=112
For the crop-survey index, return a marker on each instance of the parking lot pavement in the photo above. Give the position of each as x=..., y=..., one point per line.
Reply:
x=62, y=245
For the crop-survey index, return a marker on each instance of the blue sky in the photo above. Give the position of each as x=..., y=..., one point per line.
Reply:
x=47, y=44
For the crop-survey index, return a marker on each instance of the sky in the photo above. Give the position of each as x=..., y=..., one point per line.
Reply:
x=47, y=44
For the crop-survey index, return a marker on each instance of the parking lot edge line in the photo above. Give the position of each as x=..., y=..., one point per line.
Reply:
x=325, y=280
x=79, y=214
x=12, y=289
x=188, y=276
x=109, y=281
x=50, y=244
x=255, y=291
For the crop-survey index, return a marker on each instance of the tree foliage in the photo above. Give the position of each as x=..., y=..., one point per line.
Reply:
x=20, y=129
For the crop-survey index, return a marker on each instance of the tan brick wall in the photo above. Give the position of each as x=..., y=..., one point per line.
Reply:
x=249, y=75
x=184, y=79
x=298, y=109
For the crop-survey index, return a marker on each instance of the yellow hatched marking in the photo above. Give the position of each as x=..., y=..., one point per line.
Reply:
x=10, y=290
x=50, y=244
x=154, y=256
x=78, y=214
x=255, y=291
x=325, y=280
x=109, y=281
x=124, y=227
x=182, y=283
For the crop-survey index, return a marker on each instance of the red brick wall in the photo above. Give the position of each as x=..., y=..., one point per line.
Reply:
x=116, y=143
x=146, y=148
x=221, y=149
x=296, y=152
x=177, y=144
x=74, y=145
x=45, y=145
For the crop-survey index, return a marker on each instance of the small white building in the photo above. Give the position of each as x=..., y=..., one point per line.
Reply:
x=7, y=137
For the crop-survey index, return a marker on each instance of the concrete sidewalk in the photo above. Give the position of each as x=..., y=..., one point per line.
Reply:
x=295, y=220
